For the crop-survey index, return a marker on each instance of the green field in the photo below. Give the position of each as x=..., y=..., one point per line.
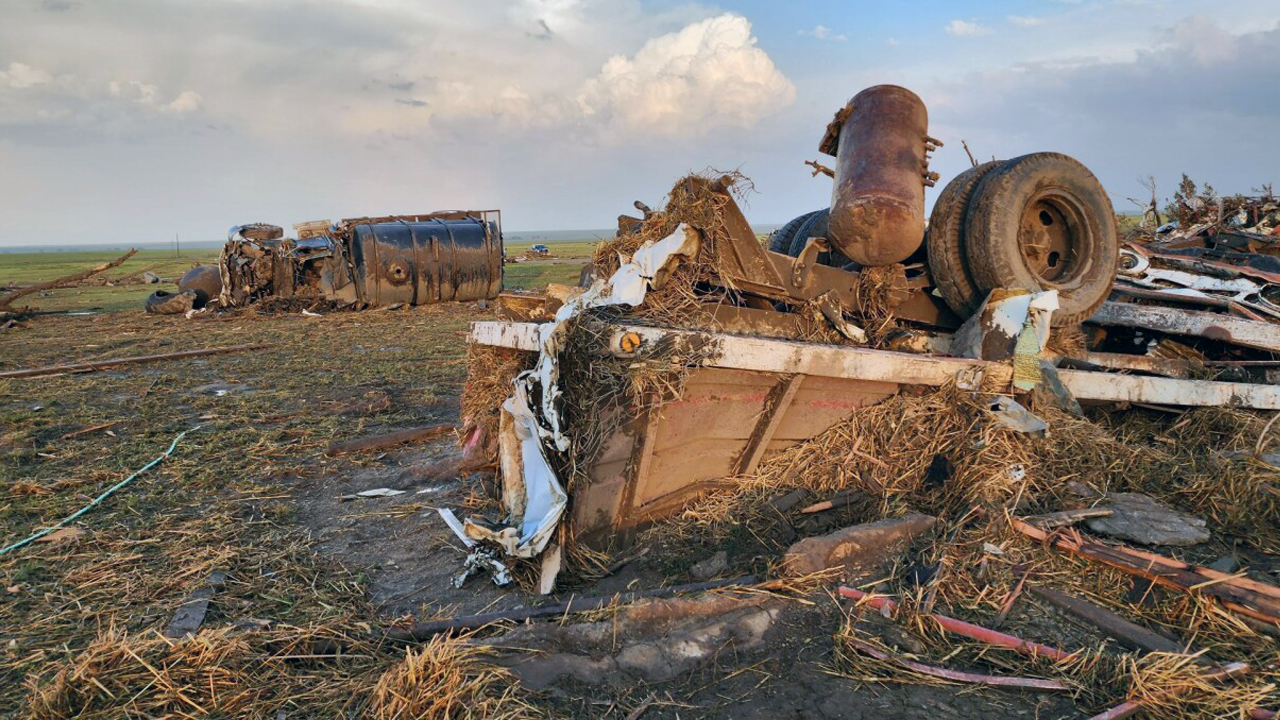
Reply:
x=20, y=269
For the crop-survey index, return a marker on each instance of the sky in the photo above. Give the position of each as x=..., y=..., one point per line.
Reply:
x=135, y=120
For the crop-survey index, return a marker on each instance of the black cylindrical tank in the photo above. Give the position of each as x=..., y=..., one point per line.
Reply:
x=427, y=261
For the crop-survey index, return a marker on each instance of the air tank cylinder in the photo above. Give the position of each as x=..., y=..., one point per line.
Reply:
x=881, y=145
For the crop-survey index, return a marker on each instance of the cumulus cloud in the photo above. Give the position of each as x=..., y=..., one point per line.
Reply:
x=1204, y=39
x=20, y=76
x=966, y=28
x=188, y=101
x=150, y=96
x=708, y=74
x=822, y=32
x=1026, y=20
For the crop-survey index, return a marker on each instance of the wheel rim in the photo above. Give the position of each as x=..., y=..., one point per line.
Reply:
x=1053, y=239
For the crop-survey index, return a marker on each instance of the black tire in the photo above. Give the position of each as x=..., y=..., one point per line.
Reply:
x=1042, y=222
x=815, y=226
x=948, y=263
x=166, y=303
x=780, y=239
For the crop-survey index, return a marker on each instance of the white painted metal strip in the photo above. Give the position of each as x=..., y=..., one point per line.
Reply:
x=786, y=356
x=781, y=356
x=515, y=335
x=1086, y=385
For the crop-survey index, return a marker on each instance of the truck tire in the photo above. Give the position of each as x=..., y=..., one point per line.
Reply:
x=948, y=263
x=815, y=226
x=780, y=239
x=166, y=303
x=1044, y=222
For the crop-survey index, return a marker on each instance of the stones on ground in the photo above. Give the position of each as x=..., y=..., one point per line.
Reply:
x=1143, y=520
x=1225, y=564
x=710, y=567
x=858, y=548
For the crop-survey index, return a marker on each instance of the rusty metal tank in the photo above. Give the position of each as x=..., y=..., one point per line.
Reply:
x=881, y=144
x=204, y=280
x=421, y=262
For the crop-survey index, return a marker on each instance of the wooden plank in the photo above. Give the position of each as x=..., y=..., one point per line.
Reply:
x=1167, y=367
x=1215, y=326
x=1131, y=634
x=1169, y=391
x=775, y=408
x=399, y=437
x=103, y=364
x=781, y=356
x=190, y=614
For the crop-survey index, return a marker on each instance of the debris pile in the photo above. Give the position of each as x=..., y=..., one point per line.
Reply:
x=1219, y=255
x=932, y=427
x=359, y=263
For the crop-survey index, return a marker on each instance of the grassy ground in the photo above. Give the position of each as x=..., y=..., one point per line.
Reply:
x=256, y=420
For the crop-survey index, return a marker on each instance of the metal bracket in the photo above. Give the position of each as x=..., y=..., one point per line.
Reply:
x=802, y=267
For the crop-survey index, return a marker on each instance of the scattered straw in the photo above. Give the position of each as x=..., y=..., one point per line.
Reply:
x=447, y=680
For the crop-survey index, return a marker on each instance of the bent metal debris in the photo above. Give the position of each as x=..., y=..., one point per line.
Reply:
x=368, y=262
x=667, y=389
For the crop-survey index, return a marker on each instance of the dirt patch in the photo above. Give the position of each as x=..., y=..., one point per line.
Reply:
x=406, y=553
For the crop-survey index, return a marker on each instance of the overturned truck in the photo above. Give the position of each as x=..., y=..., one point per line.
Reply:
x=699, y=351
x=367, y=262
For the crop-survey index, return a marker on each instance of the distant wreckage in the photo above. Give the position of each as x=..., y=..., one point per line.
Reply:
x=367, y=262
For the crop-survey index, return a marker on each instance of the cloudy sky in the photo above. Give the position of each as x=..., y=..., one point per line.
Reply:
x=132, y=120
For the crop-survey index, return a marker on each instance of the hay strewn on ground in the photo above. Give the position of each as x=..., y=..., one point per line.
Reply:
x=447, y=680
x=263, y=673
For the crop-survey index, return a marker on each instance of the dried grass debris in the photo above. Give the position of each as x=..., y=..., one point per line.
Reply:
x=448, y=680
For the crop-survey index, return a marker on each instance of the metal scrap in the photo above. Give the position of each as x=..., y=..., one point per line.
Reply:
x=366, y=262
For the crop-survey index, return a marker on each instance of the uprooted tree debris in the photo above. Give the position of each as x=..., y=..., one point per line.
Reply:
x=707, y=392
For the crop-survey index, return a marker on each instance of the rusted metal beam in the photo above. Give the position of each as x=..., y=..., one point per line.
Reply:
x=1235, y=594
